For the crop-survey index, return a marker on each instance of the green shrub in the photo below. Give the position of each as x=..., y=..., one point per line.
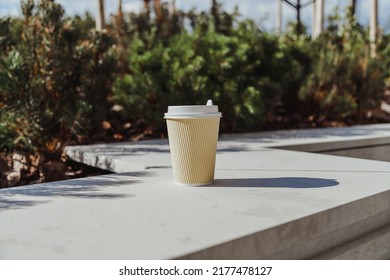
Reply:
x=53, y=82
x=344, y=81
x=384, y=55
x=241, y=72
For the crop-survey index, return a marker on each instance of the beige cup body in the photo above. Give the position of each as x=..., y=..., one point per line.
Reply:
x=193, y=145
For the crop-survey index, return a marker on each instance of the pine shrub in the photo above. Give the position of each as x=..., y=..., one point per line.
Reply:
x=344, y=80
x=240, y=70
x=53, y=82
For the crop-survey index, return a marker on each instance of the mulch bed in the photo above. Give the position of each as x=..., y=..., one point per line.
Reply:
x=19, y=169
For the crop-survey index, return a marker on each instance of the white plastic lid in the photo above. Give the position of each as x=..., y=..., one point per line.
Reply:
x=193, y=111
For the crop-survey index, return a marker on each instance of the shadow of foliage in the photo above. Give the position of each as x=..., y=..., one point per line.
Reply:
x=85, y=188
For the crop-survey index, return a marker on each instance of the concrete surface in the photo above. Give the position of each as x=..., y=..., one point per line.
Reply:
x=369, y=142
x=265, y=203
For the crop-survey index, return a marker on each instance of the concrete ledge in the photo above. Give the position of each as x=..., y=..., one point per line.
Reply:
x=373, y=246
x=266, y=203
x=368, y=142
x=121, y=157
x=306, y=237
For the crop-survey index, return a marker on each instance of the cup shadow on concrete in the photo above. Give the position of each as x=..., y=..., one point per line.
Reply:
x=281, y=182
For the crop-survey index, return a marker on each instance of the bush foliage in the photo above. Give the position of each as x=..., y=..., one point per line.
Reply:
x=53, y=82
x=344, y=80
x=241, y=72
x=59, y=78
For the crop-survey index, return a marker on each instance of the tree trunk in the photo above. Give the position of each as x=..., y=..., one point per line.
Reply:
x=319, y=17
x=120, y=6
x=279, y=16
x=352, y=6
x=313, y=20
x=373, y=26
x=299, y=24
x=100, y=19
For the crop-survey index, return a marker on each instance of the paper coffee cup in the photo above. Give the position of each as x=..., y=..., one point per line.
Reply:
x=193, y=137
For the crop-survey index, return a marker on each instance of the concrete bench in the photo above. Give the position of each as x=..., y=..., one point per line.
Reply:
x=294, y=194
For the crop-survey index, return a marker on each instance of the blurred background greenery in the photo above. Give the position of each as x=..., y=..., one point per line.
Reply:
x=62, y=82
